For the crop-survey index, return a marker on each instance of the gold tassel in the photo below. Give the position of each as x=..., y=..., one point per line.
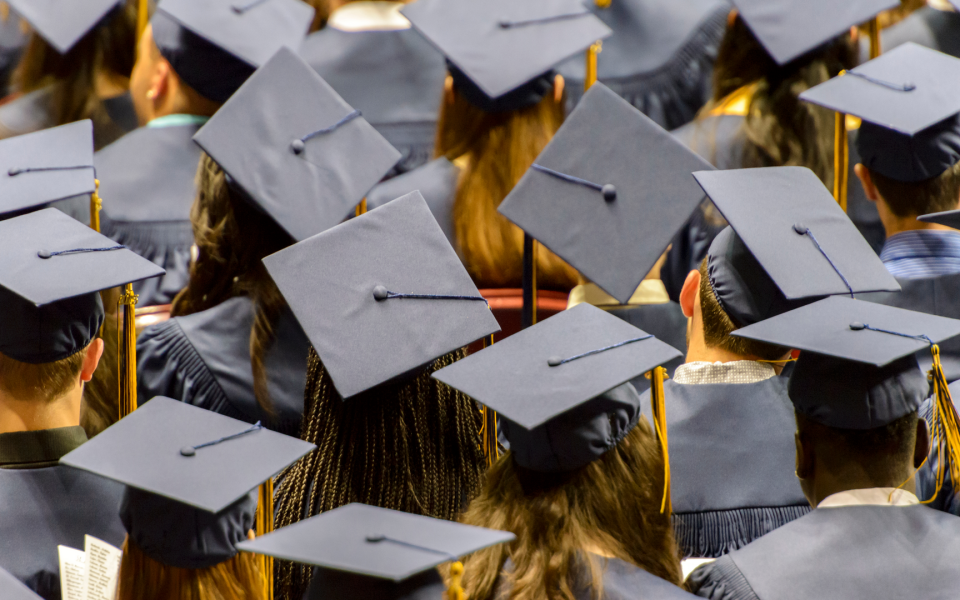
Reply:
x=264, y=525
x=602, y=3
x=590, y=76
x=362, y=207
x=127, y=339
x=143, y=10
x=945, y=426
x=96, y=204
x=454, y=590
x=4, y=11
x=873, y=31
x=841, y=160
x=489, y=441
x=656, y=378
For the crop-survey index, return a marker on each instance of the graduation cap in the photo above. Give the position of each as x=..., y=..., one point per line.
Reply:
x=46, y=166
x=788, y=29
x=189, y=474
x=371, y=552
x=559, y=386
x=909, y=100
x=381, y=295
x=215, y=45
x=950, y=218
x=51, y=270
x=502, y=52
x=298, y=151
x=789, y=241
x=12, y=589
x=608, y=192
x=63, y=22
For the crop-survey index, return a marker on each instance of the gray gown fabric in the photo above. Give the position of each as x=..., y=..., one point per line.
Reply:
x=394, y=78
x=659, y=58
x=927, y=26
x=147, y=186
x=436, y=181
x=621, y=581
x=41, y=508
x=665, y=321
x=203, y=359
x=32, y=112
x=732, y=461
x=853, y=553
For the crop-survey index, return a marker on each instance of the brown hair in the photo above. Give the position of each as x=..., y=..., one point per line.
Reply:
x=43, y=382
x=233, y=237
x=780, y=129
x=410, y=446
x=906, y=200
x=717, y=326
x=612, y=503
x=499, y=148
x=109, y=47
x=142, y=578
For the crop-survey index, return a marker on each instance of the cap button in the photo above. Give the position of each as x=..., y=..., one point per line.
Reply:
x=380, y=293
x=44, y=254
x=800, y=228
x=857, y=326
x=14, y=172
x=554, y=361
x=187, y=451
x=609, y=192
x=376, y=537
x=297, y=146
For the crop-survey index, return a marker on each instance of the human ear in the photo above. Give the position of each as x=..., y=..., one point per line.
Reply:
x=688, y=295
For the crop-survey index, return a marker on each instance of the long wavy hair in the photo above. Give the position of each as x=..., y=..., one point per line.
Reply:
x=107, y=48
x=779, y=128
x=232, y=238
x=411, y=446
x=142, y=578
x=612, y=504
x=498, y=149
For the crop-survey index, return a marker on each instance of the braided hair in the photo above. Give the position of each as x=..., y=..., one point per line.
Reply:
x=411, y=445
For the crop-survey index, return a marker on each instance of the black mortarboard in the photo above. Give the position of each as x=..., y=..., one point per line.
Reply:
x=189, y=474
x=63, y=22
x=215, y=45
x=51, y=270
x=857, y=368
x=12, y=589
x=950, y=218
x=792, y=242
x=559, y=385
x=608, y=192
x=332, y=283
x=500, y=51
x=373, y=542
x=46, y=166
x=788, y=29
x=298, y=151
x=909, y=100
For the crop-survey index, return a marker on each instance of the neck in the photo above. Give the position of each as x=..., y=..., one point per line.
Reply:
x=18, y=414
x=893, y=224
x=699, y=351
x=824, y=487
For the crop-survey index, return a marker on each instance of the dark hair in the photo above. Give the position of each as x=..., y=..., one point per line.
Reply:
x=907, y=200
x=42, y=382
x=411, y=445
x=717, y=326
x=233, y=237
x=612, y=503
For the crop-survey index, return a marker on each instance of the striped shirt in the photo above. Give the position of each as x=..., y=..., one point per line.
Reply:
x=922, y=253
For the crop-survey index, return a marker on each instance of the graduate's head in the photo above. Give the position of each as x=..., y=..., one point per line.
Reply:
x=49, y=381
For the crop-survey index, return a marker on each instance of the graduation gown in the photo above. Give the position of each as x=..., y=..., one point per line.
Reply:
x=853, y=552
x=621, y=581
x=204, y=359
x=659, y=58
x=732, y=462
x=665, y=321
x=937, y=29
x=41, y=508
x=394, y=78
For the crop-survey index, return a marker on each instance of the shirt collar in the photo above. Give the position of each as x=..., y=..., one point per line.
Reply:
x=734, y=372
x=651, y=291
x=369, y=16
x=22, y=449
x=921, y=243
x=883, y=496
x=177, y=120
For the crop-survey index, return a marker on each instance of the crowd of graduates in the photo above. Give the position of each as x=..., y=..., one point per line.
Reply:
x=479, y=299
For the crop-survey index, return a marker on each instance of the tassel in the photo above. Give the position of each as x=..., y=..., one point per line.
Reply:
x=127, y=339
x=454, y=590
x=945, y=426
x=95, y=205
x=143, y=10
x=660, y=425
x=602, y=3
x=841, y=160
x=362, y=207
x=489, y=440
x=590, y=77
x=264, y=524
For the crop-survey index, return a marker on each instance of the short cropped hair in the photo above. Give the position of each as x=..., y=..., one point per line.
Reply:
x=906, y=200
x=45, y=381
x=717, y=326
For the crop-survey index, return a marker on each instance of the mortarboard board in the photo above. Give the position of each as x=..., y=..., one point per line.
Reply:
x=189, y=474
x=298, y=151
x=613, y=241
x=215, y=45
x=950, y=218
x=63, y=22
x=908, y=99
x=52, y=268
x=500, y=50
x=394, y=251
x=788, y=29
x=46, y=166
x=559, y=386
x=12, y=589
x=375, y=542
x=792, y=239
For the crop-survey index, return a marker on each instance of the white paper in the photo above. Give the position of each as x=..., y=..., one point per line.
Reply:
x=73, y=573
x=103, y=569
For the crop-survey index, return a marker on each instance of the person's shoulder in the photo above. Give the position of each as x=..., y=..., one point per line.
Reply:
x=625, y=581
x=721, y=580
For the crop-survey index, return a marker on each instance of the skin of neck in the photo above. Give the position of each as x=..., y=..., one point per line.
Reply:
x=892, y=223
x=822, y=475
x=20, y=413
